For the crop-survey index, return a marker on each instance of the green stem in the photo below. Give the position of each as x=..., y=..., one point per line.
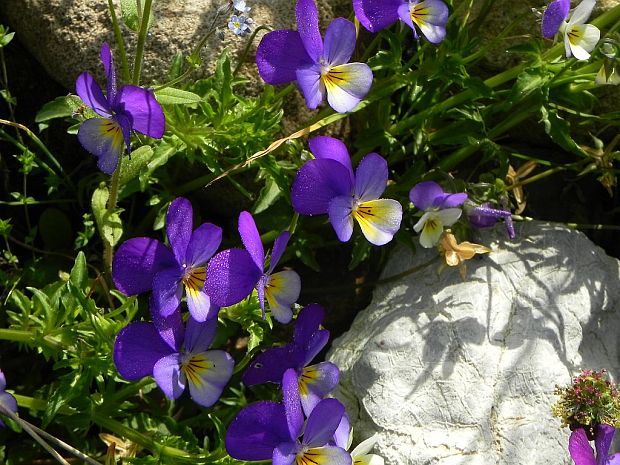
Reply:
x=144, y=26
x=120, y=43
x=246, y=50
x=17, y=335
x=108, y=249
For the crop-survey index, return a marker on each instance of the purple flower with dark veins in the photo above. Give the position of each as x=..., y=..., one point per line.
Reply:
x=582, y=453
x=130, y=108
x=320, y=67
x=233, y=273
x=430, y=16
x=175, y=356
x=327, y=185
x=7, y=400
x=315, y=382
x=142, y=264
x=277, y=431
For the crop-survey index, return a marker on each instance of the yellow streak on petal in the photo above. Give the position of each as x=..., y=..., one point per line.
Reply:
x=194, y=367
x=334, y=78
x=111, y=130
x=418, y=14
x=312, y=457
x=194, y=280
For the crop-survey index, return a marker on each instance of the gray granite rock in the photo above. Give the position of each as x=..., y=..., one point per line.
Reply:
x=453, y=372
x=65, y=36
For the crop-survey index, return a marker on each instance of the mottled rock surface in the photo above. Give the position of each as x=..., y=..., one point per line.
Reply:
x=452, y=372
x=65, y=36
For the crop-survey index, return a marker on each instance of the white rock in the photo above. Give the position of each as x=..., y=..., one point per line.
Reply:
x=448, y=371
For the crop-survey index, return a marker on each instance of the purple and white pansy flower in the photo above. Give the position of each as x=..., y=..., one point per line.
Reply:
x=430, y=16
x=327, y=185
x=142, y=264
x=175, y=356
x=130, y=108
x=320, y=67
x=440, y=209
x=315, y=382
x=579, y=38
x=233, y=274
x=582, y=453
x=278, y=432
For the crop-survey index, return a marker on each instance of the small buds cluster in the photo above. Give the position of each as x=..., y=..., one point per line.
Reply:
x=590, y=400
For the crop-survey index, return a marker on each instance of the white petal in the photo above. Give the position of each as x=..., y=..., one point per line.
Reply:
x=582, y=38
x=582, y=12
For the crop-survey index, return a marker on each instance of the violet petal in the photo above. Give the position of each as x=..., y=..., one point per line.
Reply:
x=292, y=403
x=553, y=17
x=199, y=335
x=603, y=437
x=329, y=148
x=203, y=243
x=371, y=177
x=339, y=42
x=170, y=328
x=308, y=26
x=375, y=15
x=167, y=291
x=279, y=55
x=579, y=448
x=279, y=246
x=251, y=239
x=179, y=221
x=169, y=377
x=256, y=431
x=322, y=422
x=104, y=139
x=110, y=72
x=269, y=367
x=137, y=348
x=231, y=276
x=319, y=381
x=317, y=183
x=340, y=216
x=311, y=85
x=423, y=194
x=135, y=263
x=90, y=93
x=146, y=113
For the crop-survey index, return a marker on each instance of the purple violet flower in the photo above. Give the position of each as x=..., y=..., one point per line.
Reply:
x=579, y=38
x=7, y=400
x=430, y=16
x=319, y=67
x=484, y=216
x=270, y=430
x=439, y=210
x=327, y=185
x=582, y=453
x=315, y=381
x=233, y=273
x=175, y=356
x=142, y=264
x=123, y=110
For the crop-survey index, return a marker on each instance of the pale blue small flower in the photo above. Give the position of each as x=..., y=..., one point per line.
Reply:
x=240, y=6
x=240, y=25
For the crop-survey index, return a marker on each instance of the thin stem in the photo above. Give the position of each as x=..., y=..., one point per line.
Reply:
x=33, y=434
x=246, y=50
x=17, y=335
x=108, y=249
x=5, y=83
x=144, y=26
x=120, y=43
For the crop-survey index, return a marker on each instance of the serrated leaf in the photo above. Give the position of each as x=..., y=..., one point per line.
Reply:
x=129, y=13
x=361, y=251
x=39, y=299
x=257, y=333
x=268, y=195
x=57, y=108
x=134, y=165
x=172, y=96
x=559, y=130
x=79, y=272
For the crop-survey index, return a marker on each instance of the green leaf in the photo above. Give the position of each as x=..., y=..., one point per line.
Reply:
x=57, y=108
x=172, y=96
x=257, y=334
x=135, y=164
x=129, y=13
x=79, y=272
x=361, y=251
x=559, y=131
x=6, y=38
x=109, y=223
x=268, y=195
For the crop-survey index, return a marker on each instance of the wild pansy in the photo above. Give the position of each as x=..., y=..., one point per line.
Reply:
x=579, y=38
x=440, y=209
x=582, y=453
x=123, y=110
x=233, y=273
x=327, y=185
x=343, y=437
x=320, y=67
x=142, y=264
x=315, y=382
x=7, y=400
x=430, y=16
x=277, y=432
x=175, y=357
x=456, y=253
x=484, y=216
